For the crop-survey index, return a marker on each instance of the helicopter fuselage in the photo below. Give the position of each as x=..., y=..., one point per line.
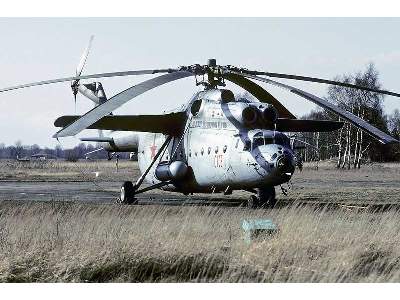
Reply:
x=221, y=154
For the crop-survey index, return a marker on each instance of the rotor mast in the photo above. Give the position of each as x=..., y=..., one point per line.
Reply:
x=213, y=72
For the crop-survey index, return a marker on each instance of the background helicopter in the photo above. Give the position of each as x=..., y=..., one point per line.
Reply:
x=217, y=143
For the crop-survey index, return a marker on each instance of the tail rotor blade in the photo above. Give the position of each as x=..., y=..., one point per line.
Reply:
x=84, y=57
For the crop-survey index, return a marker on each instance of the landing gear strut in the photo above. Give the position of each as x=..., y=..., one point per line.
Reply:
x=266, y=198
x=129, y=190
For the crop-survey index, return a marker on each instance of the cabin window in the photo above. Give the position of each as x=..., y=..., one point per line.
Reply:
x=202, y=151
x=224, y=149
x=194, y=109
x=209, y=150
x=216, y=150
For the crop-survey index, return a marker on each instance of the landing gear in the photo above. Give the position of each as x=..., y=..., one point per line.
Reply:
x=266, y=198
x=129, y=190
x=253, y=202
x=127, y=195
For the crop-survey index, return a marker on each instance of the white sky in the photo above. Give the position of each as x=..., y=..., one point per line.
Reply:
x=38, y=49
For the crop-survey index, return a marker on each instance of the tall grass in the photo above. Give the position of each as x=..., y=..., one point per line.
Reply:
x=69, y=242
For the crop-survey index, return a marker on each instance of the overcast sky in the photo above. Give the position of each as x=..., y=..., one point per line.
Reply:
x=38, y=49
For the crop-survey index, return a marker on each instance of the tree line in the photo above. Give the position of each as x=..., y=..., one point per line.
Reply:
x=20, y=151
x=350, y=146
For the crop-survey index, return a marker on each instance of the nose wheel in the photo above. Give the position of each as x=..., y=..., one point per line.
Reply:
x=127, y=193
x=266, y=198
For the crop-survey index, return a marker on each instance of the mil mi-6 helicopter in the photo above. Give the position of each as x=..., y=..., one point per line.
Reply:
x=217, y=142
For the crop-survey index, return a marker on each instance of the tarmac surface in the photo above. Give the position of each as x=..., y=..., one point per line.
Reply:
x=107, y=193
x=98, y=192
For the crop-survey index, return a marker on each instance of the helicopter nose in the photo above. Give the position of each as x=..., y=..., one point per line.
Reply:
x=285, y=164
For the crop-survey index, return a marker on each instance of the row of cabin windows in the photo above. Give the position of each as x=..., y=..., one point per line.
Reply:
x=209, y=150
x=216, y=150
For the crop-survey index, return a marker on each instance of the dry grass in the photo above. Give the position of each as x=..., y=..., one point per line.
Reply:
x=71, y=242
x=67, y=242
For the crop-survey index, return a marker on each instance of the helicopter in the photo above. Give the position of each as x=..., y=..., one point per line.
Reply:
x=218, y=142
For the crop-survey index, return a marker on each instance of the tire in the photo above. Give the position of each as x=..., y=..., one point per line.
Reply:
x=127, y=194
x=253, y=202
x=267, y=197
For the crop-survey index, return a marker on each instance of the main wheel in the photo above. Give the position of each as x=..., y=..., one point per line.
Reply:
x=253, y=202
x=267, y=197
x=127, y=195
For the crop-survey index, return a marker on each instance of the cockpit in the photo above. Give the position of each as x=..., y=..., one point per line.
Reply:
x=269, y=137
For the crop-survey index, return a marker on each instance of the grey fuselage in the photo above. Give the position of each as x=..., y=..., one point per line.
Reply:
x=221, y=153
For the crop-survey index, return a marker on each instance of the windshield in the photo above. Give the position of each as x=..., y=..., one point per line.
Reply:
x=280, y=139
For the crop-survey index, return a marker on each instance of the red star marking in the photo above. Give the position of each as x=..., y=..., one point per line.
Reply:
x=153, y=149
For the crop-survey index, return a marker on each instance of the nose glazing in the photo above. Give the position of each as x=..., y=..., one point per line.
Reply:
x=285, y=164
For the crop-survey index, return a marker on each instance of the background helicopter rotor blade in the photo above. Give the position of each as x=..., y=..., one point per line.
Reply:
x=356, y=121
x=116, y=101
x=261, y=94
x=99, y=75
x=84, y=57
x=319, y=80
x=79, y=69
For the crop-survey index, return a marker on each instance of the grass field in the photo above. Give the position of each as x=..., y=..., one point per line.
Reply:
x=76, y=242
x=69, y=242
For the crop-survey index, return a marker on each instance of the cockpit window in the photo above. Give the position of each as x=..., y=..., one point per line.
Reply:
x=269, y=140
x=282, y=139
x=260, y=139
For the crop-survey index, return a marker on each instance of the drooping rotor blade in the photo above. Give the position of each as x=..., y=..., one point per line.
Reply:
x=171, y=124
x=114, y=102
x=84, y=57
x=261, y=94
x=290, y=125
x=320, y=80
x=99, y=75
x=356, y=121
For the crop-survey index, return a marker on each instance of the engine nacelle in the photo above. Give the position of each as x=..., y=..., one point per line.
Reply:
x=244, y=113
x=174, y=171
x=269, y=114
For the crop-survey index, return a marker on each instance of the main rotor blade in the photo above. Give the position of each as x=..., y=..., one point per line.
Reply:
x=356, y=121
x=84, y=57
x=320, y=80
x=114, y=102
x=100, y=75
x=261, y=94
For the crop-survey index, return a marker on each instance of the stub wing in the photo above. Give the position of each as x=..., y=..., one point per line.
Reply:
x=171, y=124
x=296, y=125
